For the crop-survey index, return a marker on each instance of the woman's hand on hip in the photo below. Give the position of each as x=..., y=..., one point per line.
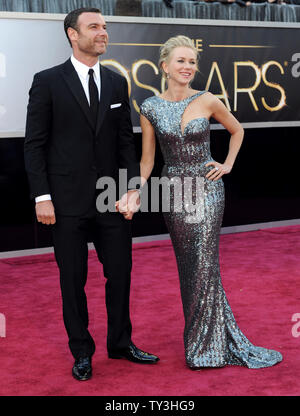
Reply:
x=218, y=170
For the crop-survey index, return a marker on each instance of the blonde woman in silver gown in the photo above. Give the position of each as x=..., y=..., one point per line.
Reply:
x=180, y=119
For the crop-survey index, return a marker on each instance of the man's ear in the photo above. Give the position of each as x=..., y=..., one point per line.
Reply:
x=73, y=34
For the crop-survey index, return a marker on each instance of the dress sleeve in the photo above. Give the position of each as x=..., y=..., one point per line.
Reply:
x=147, y=110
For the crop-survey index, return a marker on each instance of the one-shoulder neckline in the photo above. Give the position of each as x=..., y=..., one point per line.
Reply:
x=180, y=101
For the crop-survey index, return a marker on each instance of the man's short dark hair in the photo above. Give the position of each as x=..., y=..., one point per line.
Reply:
x=72, y=18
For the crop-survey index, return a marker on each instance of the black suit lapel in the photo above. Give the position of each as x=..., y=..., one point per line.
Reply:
x=105, y=95
x=71, y=77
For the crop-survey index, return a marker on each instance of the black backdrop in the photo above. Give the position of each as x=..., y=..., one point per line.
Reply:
x=263, y=186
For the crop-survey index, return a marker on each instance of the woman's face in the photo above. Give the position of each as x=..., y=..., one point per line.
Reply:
x=182, y=65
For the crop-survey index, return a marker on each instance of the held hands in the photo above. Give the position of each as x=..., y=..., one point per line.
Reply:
x=45, y=212
x=129, y=204
x=218, y=170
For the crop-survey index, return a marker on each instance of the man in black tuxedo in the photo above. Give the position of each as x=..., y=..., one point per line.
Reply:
x=78, y=130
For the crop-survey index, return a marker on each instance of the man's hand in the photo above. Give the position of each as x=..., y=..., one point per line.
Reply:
x=129, y=204
x=45, y=212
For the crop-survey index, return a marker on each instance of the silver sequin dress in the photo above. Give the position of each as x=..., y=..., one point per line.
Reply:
x=212, y=337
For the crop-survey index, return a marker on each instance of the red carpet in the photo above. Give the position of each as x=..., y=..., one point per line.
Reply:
x=261, y=277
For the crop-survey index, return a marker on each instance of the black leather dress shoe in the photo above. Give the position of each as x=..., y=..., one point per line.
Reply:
x=132, y=353
x=82, y=369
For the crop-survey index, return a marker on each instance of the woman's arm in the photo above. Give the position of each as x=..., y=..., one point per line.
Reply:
x=130, y=202
x=220, y=113
x=148, y=149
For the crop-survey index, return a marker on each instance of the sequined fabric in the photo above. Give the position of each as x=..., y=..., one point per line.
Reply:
x=212, y=337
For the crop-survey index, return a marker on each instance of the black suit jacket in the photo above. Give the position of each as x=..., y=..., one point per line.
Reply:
x=64, y=155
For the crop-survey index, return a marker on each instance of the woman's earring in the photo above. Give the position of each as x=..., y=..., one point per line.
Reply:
x=168, y=76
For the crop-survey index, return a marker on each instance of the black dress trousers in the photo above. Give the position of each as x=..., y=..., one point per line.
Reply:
x=111, y=235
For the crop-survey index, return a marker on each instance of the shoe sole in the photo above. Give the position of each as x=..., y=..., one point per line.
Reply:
x=120, y=357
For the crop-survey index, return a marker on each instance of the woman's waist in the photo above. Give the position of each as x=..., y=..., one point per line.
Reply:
x=198, y=168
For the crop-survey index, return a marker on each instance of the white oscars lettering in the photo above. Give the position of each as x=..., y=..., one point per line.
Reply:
x=2, y=326
x=296, y=327
x=2, y=75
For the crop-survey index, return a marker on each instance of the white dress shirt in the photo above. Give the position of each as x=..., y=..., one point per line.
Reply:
x=83, y=74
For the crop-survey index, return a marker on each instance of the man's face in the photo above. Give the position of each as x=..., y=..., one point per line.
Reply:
x=91, y=37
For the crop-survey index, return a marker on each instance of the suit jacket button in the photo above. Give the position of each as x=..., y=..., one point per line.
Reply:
x=93, y=167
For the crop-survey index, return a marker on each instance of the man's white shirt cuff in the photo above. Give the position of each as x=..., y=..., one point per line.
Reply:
x=41, y=198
